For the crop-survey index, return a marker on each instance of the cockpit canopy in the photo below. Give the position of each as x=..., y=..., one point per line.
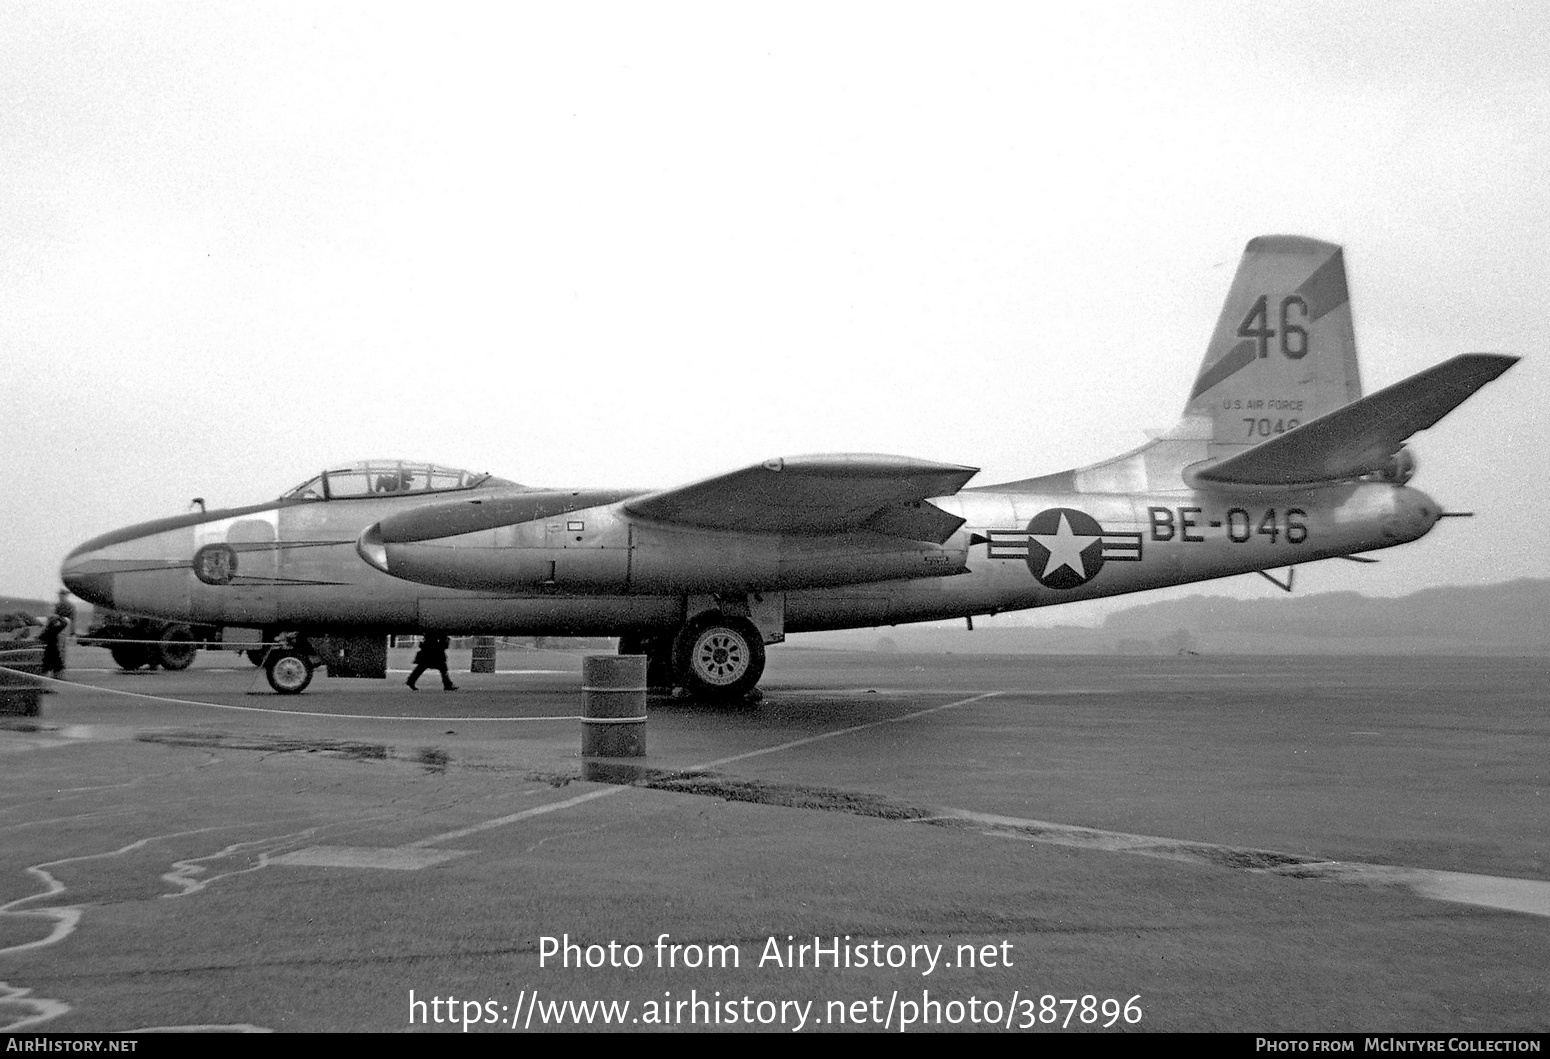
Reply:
x=388, y=477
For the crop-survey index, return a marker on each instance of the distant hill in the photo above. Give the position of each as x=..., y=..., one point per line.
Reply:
x=1512, y=618
x=35, y=607
x=1509, y=618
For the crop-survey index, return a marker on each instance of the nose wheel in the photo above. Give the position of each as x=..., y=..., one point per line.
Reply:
x=289, y=672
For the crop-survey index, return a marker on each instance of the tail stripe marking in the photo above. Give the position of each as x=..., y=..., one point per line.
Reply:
x=1325, y=290
x=1236, y=359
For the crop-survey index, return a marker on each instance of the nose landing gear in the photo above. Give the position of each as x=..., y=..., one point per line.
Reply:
x=289, y=671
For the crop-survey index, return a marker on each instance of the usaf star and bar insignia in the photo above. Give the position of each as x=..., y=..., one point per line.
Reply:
x=1064, y=548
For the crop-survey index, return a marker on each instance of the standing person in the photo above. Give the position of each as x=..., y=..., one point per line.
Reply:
x=432, y=655
x=53, y=649
x=65, y=609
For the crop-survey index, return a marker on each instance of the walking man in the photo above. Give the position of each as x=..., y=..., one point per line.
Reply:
x=432, y=655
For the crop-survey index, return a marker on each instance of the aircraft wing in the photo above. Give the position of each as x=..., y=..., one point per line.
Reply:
x=817, y=494
x=1356, y=438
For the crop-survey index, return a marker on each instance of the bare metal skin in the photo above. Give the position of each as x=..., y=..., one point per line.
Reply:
x=1278, y=460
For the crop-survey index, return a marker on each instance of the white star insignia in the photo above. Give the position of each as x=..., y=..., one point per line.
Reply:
x=1065, y=548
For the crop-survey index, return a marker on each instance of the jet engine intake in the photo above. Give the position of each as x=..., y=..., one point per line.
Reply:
x=1398, y=468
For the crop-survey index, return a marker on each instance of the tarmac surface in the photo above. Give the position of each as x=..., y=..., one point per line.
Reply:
x=1025, y=843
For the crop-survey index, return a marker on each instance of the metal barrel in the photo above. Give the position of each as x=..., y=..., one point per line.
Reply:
x=484, y=655
x=19, y=694
x=613, y=706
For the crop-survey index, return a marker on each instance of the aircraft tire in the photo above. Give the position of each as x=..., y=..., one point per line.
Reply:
x=129, y=656
x=289, y=672
x=718, y=659
x=177, y=650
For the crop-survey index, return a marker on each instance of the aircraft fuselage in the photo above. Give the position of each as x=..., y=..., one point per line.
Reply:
x=596, y=570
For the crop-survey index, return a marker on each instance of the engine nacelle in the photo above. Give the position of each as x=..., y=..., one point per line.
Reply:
x=597, y=552
x=1398, y=468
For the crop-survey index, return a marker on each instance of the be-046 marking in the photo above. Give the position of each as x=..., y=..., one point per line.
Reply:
x=1186, y=523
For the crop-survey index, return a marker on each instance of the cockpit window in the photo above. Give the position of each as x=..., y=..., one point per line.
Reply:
x=387, y=478
x=310, y=490
x=346, y=483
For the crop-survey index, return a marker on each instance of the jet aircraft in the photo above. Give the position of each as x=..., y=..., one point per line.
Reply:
x=1279, y=459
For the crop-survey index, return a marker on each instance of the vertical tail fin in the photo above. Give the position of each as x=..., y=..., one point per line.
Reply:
x=1284, y=350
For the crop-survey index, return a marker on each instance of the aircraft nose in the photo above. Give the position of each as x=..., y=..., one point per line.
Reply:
x=82, y=576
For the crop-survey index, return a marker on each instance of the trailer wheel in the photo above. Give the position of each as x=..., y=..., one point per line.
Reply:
x=289, y=672
x=177, y=649
x=130, y=656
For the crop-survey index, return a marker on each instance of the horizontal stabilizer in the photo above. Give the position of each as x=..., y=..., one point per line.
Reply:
x=1357, y=438
x=817, y=494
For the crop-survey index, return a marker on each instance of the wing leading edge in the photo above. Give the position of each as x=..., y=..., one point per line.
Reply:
x=817, y=494
x=1356, y=439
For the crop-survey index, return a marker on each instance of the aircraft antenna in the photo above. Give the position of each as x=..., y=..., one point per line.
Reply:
x=1285, y=586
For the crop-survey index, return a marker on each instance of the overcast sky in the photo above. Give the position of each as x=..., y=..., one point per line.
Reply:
x=637, y=244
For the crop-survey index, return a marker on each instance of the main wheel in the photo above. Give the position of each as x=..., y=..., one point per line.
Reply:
x=130, y=656
x=718, y=658
x=177, y=648
x=289, y=672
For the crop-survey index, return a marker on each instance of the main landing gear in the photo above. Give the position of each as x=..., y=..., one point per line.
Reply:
x=713, y=657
